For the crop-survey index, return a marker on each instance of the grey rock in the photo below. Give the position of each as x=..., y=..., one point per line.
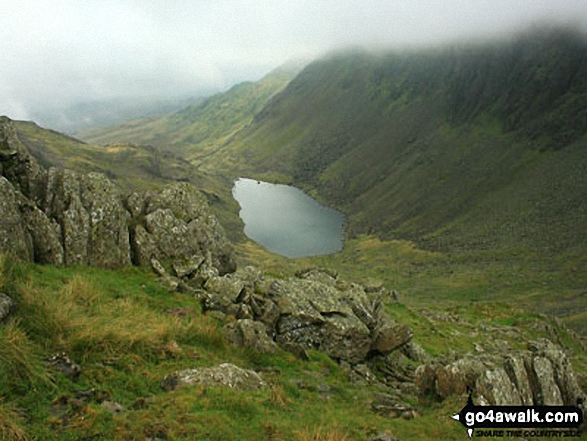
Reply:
x=516, y=371
x=7, y=305
x=175, y=223
x=92, y=218
x=62, y=363
x=540, y=376
x=187, y=266
x=60, y=216
x=249, y=334
x=415, y=352
x=390, y=406
x=296, y=349
x=390, y=336
x=383, y=436
x=45, y=235
x=18, y=166
x=547, y=392
x=224, y=375
x=314, y=310
x=15, y=240
x=112, y=407
x=497, y=388
x=109, y=244
x=158, y=268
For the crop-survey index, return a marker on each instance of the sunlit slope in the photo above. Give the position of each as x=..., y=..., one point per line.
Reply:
x=199, y=130
x=480, y=146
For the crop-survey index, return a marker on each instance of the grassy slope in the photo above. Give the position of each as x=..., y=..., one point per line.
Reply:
x=197, y=131
x=97, y=317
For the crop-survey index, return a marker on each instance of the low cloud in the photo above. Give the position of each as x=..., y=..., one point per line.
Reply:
x=55, y=54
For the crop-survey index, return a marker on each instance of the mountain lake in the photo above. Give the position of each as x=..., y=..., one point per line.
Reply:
x=286, y=221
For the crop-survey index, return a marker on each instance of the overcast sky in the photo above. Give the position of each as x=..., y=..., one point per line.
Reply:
x=57, y=52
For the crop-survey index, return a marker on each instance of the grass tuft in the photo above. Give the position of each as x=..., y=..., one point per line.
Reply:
x=11, y=424
x=20, y=362
x=321, y=434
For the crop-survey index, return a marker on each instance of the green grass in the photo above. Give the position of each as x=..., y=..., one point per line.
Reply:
x=116, y=324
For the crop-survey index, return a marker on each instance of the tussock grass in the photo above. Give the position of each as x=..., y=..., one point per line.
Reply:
x=11, y=424
x=20, y=363
x=321, y=434
x=83, y=318
x=278, y=397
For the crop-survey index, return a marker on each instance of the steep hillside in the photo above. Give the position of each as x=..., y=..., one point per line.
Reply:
x=201, y=129
x=472, y=147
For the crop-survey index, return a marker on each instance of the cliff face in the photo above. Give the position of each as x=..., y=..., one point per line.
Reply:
x=63, y=217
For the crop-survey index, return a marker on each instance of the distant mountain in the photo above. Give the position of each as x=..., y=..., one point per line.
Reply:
x=201, y=129
x=481, y=146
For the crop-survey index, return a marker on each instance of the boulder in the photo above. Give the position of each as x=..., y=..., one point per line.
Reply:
x=45, y=235
x=175, y=224
x=90, y=212
x=60, y=216
x=390, y=336
x=249, y=334
x=538, y=376
x=224, y=375
x=109, y=244
x=7, y=305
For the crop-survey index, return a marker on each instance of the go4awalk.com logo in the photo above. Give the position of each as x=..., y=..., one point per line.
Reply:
x=521, y=421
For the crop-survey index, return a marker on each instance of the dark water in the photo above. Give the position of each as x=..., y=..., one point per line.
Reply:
x=286, y=221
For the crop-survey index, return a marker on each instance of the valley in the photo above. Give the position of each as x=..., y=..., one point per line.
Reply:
x=135, y=307
x=477, y=153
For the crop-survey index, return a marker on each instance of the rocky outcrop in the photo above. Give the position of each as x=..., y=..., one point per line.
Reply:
x=224, y=375
x=175, y=224
x=92, y=219
x=60, y=216
x=14, y=237
x=540, y=375
x=18, y=166
x=314, y=310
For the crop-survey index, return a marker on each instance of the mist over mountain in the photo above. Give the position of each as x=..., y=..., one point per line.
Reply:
x=82, y=115
x=474, y=146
